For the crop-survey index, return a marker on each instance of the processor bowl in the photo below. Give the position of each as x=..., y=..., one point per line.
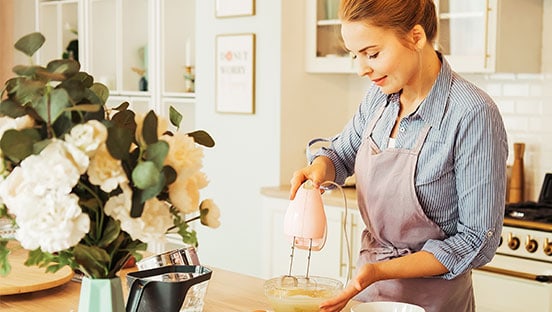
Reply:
x=299, y=293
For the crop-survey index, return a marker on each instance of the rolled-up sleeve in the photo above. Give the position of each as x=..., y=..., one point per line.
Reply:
x=480, y=154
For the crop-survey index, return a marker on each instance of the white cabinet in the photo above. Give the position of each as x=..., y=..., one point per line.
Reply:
x=325, y=50
x=332, y=261
x=55, y=20
x=487, y=36
x=476, y=36
x=125, y=43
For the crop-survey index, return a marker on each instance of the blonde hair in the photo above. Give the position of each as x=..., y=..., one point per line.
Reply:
x=399, y=16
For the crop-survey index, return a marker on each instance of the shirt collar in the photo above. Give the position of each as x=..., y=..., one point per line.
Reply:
x=433, y=107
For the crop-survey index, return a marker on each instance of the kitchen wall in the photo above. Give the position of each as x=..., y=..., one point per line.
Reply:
x=263, y=149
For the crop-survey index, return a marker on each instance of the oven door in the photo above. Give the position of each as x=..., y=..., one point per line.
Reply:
x=513, y=284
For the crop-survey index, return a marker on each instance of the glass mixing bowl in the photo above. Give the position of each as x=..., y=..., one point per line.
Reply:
x=298, y=293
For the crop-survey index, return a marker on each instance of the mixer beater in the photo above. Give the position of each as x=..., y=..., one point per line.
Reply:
x=305, y=224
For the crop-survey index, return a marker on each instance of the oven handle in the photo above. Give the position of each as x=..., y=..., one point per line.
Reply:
x=529, y=276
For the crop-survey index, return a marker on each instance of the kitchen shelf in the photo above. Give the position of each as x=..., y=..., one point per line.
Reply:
x=115, y=36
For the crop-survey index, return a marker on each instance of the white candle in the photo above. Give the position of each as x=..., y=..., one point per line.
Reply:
x=188, y=55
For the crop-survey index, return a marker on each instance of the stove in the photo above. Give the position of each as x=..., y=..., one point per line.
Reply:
x=519, y=277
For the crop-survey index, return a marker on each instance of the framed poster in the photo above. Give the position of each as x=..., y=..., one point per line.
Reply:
x=230, y=8
x=235, y=73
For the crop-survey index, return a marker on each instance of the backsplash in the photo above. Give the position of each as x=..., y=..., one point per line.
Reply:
x=525, y=101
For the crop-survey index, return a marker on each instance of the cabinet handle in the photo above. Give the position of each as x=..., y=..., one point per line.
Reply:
x=341, y=237
x=345, y=263
x=486, y=38
x=523, y=275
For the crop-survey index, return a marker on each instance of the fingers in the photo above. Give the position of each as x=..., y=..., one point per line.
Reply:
x=340, y=301
x=298, y=179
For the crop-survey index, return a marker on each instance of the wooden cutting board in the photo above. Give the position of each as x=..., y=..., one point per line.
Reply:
x=24, y=279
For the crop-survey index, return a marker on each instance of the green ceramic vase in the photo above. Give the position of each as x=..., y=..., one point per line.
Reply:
x=101, y=295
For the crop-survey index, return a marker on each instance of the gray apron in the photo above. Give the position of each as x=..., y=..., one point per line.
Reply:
x=396, y=225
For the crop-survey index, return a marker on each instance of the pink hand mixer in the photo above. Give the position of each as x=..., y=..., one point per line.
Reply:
x=305, y=222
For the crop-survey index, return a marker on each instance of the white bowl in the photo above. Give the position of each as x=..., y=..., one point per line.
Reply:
x=386, y=306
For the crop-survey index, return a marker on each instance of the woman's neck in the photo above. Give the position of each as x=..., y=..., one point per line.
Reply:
x=413, y=95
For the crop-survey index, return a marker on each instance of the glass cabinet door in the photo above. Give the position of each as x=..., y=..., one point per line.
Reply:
x=463, y=31
x=119, y=44
x=325, y=50
x=102, y=57
x=177, y=46
x=58, y=22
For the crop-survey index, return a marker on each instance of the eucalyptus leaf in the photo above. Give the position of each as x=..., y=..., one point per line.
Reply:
x=12, y=85
x=85, y=78
x=118, y=142
x=203, y=138
x=11, y=109
x=101, y=91
x=29, y=91
x=137, y=204
x=66, y=67
x=24, y=70
x=122, y=107
x=49, y=108
x=149, y=128
x=153, y=190
x=46, y=76
x=175, y=117
x=17, y=145
x=30, y=43
x=75, y=89
x=145, y=175
x=157, y=152
x=170, y=174
x=85, y=108
x=125, y=119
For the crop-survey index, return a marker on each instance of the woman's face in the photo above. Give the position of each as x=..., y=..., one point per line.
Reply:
x=381, y=56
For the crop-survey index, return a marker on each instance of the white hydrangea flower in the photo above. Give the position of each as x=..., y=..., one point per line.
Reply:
x=53, y=222
x=151, y=227
x=106, y=171
x=46, y=212
x=55, y=161
x=88, y=136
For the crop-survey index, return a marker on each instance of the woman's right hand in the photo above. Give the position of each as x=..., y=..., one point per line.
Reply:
x=320, y=170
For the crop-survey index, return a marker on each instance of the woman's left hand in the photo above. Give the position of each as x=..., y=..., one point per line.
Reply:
x=339, y=302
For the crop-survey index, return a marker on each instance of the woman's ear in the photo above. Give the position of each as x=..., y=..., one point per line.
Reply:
x=418, y=36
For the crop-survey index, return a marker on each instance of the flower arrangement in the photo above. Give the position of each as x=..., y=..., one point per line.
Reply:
x=87, y=186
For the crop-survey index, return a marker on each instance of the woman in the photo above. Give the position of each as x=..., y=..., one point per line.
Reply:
x=428, y=150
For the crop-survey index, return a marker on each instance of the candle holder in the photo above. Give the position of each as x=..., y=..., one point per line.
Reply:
x=189, y=79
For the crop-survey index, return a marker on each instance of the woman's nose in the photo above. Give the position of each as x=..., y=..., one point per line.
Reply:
x=363, y=68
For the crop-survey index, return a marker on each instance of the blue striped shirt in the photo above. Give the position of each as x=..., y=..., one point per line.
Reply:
x=460, y=176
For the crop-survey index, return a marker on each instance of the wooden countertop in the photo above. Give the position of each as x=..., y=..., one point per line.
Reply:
x=227, y=291
x=331, y=197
